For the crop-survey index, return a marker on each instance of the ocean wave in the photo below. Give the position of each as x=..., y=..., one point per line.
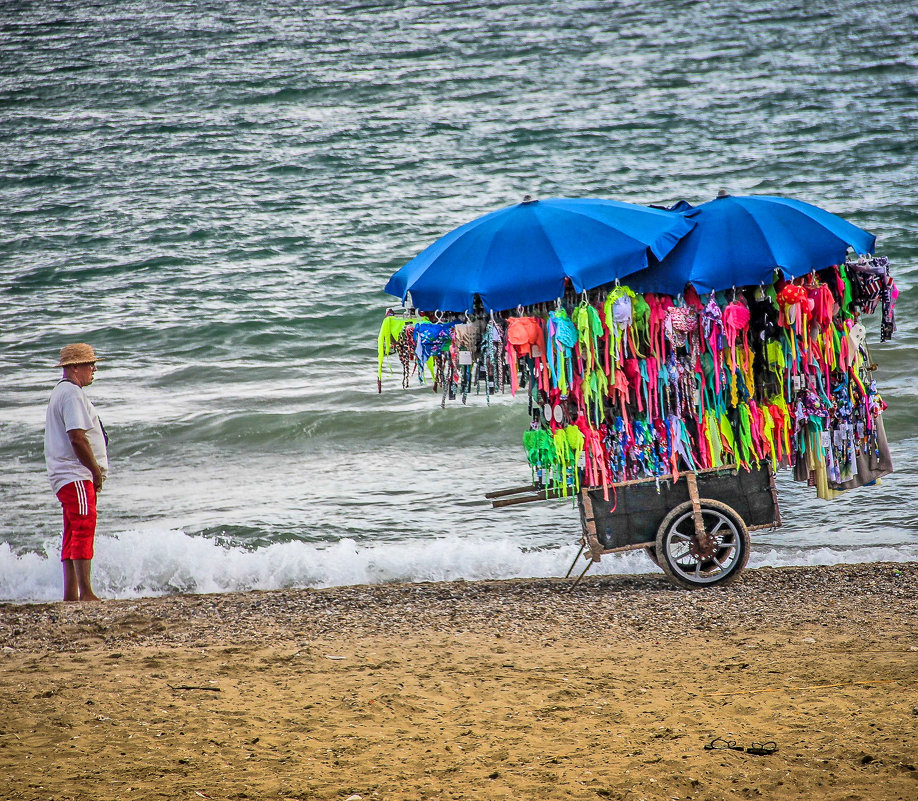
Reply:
x=165, y=562
x=338, y=424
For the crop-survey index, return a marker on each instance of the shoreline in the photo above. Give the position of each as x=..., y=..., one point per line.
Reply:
x=647, y=606
x=461, y=690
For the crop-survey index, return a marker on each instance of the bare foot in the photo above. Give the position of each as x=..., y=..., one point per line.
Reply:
x=90, y=597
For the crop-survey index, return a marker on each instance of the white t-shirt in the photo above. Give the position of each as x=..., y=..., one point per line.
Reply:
x=68, y=409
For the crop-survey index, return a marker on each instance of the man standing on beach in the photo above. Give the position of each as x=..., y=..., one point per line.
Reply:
x=77, y=460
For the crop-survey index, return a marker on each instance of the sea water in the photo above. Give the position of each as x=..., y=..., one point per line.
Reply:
x=214, y=195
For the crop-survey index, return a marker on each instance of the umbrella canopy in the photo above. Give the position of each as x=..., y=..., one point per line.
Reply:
x=521, y=254
x=739, y=241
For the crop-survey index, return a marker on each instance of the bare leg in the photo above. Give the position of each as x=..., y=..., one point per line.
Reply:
x=81, y=567
x=71, y=590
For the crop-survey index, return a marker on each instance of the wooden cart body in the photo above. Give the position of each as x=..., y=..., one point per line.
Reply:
x=632, y=516
x=653, y=513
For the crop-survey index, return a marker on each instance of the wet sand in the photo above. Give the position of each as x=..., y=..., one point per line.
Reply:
x=514, y=689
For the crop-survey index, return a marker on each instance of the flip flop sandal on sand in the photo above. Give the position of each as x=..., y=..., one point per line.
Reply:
x=720, y=744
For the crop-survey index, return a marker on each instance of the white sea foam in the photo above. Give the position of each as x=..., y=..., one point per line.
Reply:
x=160, y=562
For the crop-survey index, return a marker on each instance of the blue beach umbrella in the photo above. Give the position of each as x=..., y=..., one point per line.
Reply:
x=521, y=254
x=740, y=241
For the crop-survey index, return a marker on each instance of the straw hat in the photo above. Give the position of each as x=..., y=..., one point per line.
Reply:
x=78, y=353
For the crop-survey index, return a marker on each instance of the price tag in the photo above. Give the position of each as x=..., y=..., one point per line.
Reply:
x=824, y=439
x=536, y=351
x=465, y=357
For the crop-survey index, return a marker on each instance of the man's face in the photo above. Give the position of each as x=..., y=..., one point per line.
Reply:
x=84, y=373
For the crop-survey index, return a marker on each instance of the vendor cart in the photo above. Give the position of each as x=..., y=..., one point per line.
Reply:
x=746, y=348
x=695, y=527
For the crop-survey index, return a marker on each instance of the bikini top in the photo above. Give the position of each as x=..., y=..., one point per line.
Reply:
x=796, y=305
x=389, y=333
x=713, y=324
x=680, y=321
x=562, y=329
x=432, y=339
x=466, y=336
x=618, y=310
x=589, y=329
x=524, y=333
x=736, y=318
x=640, y=313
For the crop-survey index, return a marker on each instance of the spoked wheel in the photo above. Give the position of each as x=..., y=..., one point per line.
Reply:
x=713, y=559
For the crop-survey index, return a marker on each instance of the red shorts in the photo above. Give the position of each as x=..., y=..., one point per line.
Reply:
x=79, y=501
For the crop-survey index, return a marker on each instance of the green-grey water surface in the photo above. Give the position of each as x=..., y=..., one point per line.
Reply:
x=214, y=195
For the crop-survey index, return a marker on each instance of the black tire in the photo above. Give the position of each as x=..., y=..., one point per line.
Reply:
x=676, y=539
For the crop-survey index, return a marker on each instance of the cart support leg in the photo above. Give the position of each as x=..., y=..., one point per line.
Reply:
x=589, y=565
x=582, y=546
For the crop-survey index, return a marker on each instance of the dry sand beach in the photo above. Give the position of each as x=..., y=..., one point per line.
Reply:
x=504, y=689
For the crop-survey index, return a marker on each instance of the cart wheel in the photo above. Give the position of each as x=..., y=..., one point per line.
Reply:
x=716, y=561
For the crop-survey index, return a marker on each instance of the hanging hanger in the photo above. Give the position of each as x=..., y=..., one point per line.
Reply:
x=401, y=312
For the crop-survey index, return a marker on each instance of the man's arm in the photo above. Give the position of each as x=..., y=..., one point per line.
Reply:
x=83, y=451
